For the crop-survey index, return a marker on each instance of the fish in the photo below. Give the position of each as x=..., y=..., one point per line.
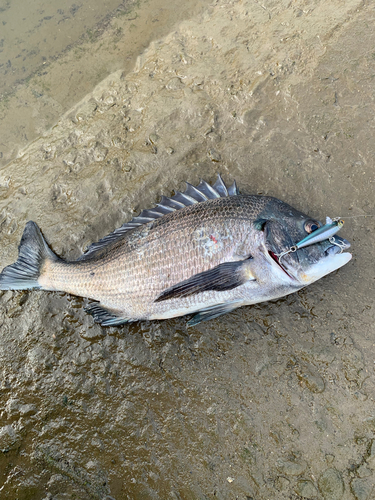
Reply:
x=202, y=252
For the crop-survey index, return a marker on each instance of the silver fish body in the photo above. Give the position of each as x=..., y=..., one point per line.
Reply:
x=206, y=251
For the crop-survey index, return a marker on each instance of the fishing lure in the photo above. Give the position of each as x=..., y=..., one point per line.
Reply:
x=325, y=232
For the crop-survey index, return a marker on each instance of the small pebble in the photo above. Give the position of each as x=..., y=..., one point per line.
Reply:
x=362, y=489
x=313, y=381
x=331, y=485
x=306, y=489
x=214, y=155
x=364, y=471
x=361, y=396
x=175, y=84
x=7, y=437
x=282, y=483
x=27, y=410
x=153, y=138
x=117, y=141
x=291, y=467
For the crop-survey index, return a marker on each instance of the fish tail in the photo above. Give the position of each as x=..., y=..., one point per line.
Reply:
x=33, y=253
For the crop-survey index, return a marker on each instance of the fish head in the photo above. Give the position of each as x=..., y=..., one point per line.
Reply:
x=283, y=227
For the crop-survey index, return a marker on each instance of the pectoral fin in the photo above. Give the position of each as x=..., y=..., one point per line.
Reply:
x=223, y=277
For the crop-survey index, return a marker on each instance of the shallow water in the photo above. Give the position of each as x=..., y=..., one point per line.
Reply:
x=52, y=54
x=274, y=401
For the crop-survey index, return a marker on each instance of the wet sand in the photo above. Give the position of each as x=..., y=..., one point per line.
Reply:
x=274, y=401
x=52, y=55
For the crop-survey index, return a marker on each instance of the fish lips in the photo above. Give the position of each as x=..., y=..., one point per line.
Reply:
x=334, y=257
x=325, y=266
x=325, y=257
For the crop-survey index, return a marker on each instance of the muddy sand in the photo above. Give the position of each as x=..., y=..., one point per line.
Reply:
x=274, y=401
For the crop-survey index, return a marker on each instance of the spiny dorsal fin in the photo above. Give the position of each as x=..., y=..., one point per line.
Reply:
x=191, y=195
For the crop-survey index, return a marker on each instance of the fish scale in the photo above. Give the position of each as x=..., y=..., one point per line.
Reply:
x=133, y=273
x=207, y=251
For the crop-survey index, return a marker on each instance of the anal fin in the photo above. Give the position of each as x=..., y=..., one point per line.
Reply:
x=213, y=312
x=105, y=316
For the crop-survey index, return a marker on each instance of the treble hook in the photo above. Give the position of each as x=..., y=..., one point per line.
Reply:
x=334, y=242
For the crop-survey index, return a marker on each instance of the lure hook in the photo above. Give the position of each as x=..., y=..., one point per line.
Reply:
x=334, y=242
x=325, y=232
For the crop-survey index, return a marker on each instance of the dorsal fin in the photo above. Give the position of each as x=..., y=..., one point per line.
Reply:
x=191, y=195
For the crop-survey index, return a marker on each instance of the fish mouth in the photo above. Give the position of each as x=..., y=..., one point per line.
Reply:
x=334, y=257
x=277, y=260
x=331, y=262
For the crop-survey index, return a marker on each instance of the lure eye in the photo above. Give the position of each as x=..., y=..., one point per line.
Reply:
x=311, y=226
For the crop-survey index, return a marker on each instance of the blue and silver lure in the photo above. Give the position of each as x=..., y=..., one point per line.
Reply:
x=326, y=232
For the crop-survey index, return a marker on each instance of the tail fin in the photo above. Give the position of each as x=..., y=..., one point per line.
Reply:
x=33, y=251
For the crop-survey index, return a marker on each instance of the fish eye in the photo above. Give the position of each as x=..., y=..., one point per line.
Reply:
x=311, y=226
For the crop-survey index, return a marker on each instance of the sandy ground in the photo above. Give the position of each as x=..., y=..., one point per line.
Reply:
x=270, y=402
x=53, y=53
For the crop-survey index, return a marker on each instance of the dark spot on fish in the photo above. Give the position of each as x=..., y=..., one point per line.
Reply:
x=92, y=274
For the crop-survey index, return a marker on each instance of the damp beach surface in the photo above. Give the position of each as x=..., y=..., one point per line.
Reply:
x=274, y=401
